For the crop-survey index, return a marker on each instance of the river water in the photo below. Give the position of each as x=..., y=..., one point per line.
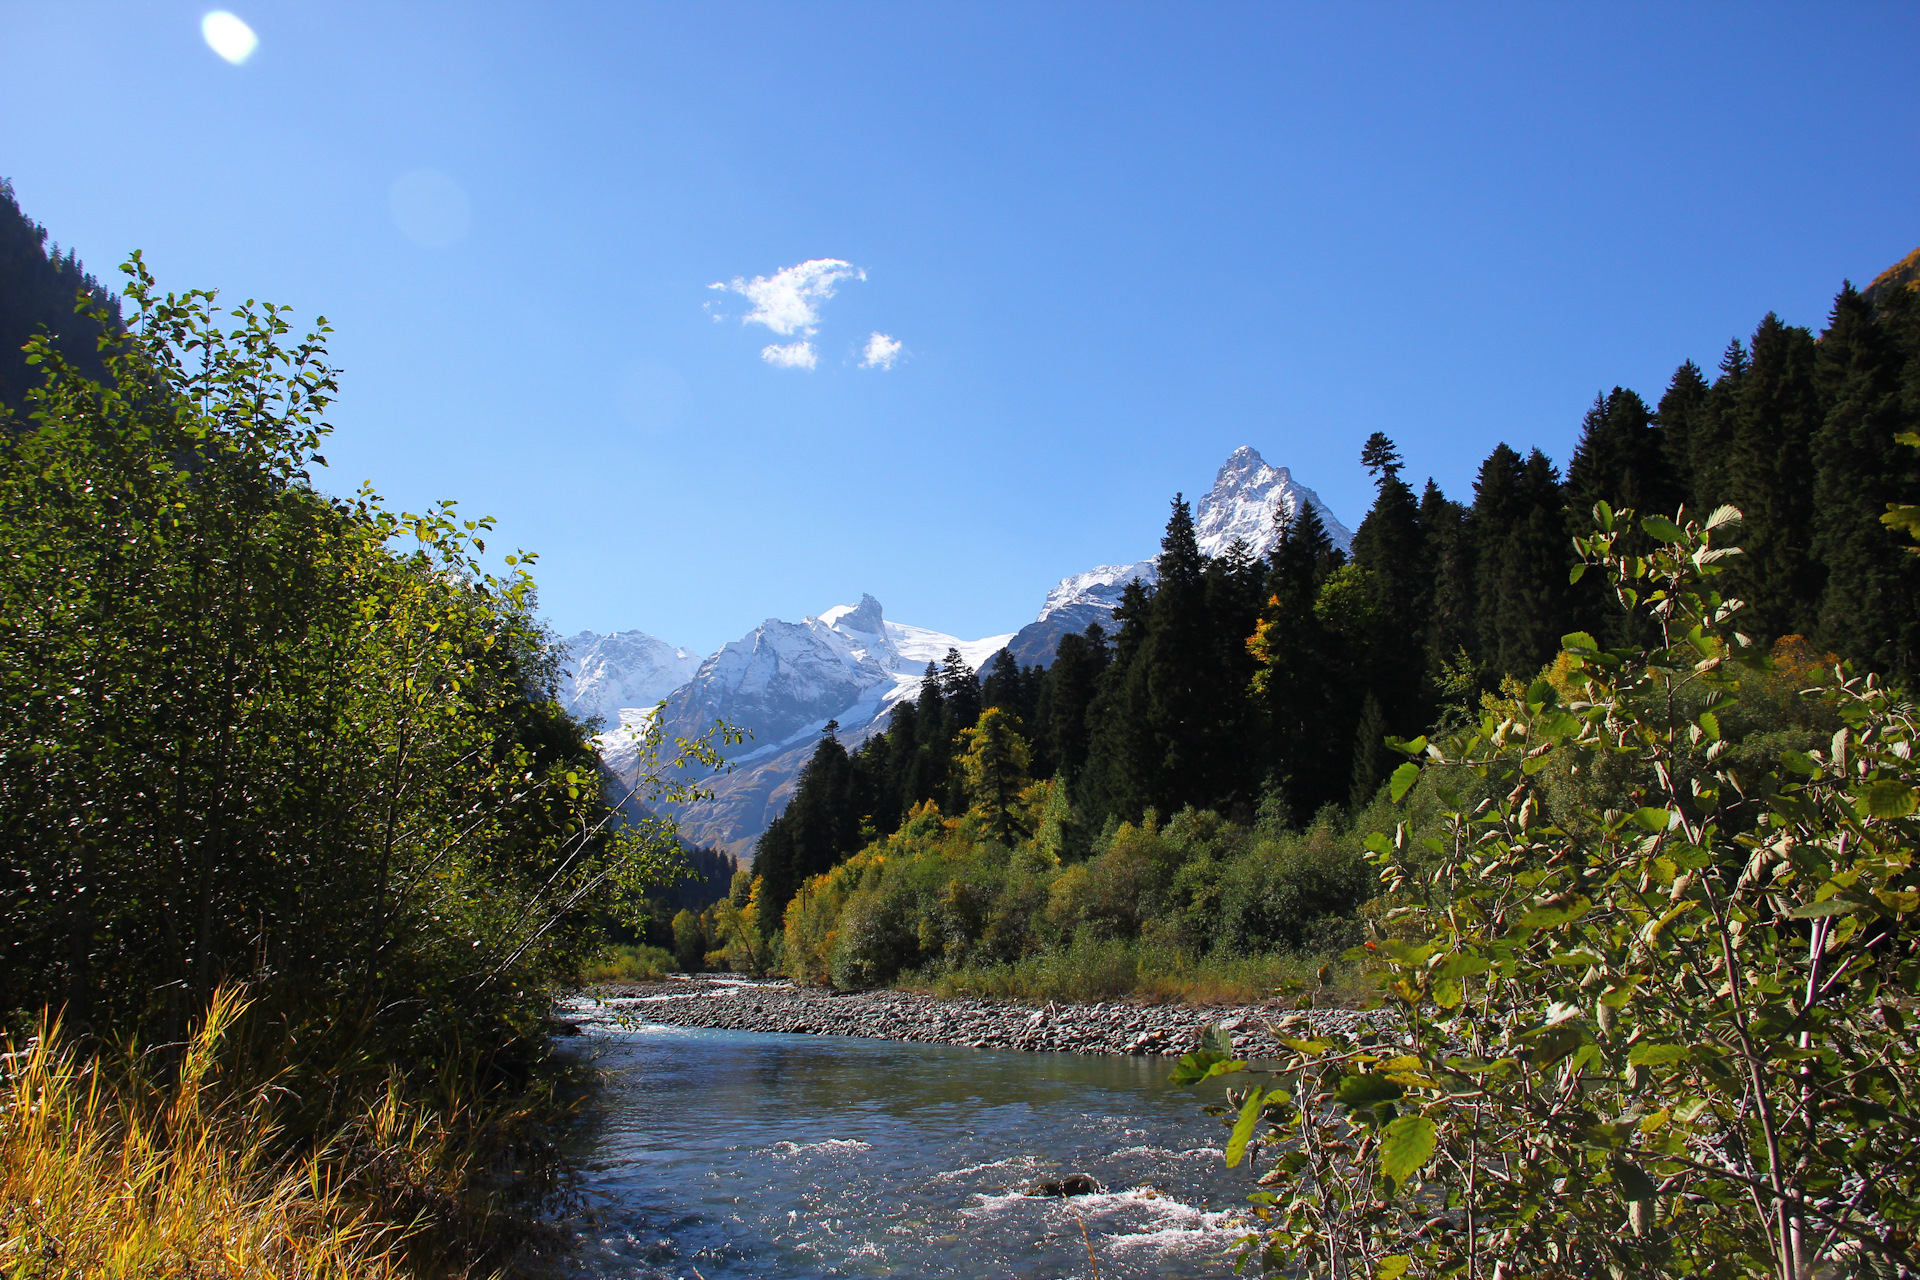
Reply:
x=722, y=1154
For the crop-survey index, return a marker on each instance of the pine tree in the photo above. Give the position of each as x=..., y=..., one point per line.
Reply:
x=1071, y=683
x=924, y=768
x=1231, y=757
x=1005, y=686
x=1115, y=782
x=1620, y=460
x=1450, y=624
x=1773, y=417
x=1298, y=683
x=1870, y=609
x=959, y=692
x=821, y=827
x=1522, y=555
x=1682, y=418
x=1177, y=665
x=1370, y=755
x=1391, y=547
x=994, y=762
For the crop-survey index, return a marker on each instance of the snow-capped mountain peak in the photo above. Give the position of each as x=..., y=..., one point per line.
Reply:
x=605, y=674
x=1246, y=495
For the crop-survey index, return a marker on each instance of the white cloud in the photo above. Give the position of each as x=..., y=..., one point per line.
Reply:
x=794, y=355
x=788, y=301
x=881, y=352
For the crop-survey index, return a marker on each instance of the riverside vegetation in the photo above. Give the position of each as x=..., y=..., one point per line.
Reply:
x=301, y=843
x=1642, y=902
x=1180, y=809
x=298, y=839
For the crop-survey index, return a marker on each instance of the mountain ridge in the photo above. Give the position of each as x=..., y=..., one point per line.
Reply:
x=785, y=681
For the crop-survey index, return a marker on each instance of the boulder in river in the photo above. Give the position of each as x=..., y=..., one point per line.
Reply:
x=1074, y=1184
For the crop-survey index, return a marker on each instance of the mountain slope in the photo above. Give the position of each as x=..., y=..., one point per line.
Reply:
x=606, y=674
x=1246, y=497
x=782, y=682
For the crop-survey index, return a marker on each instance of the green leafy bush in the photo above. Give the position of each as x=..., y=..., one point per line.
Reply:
x=1661, y=1029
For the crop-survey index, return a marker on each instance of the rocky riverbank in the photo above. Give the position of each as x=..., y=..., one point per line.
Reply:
x=735, y=1005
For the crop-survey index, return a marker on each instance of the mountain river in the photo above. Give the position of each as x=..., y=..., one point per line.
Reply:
x=720, y=1154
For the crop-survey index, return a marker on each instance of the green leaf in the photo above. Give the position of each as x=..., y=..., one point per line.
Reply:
x=1448, y=993
x=1217, y=1039
x=1823, y=909
x=1632, y=1180
x=1403, y=779
x=1576, y=573
x=1406, y=1146
x=1661, y=529
x=1541, y=693
x=1799, y=762
x=1657, y=1055
x=1550, y=1044
x=1198, y=1065
x=1655, y=820
x=1392, y=1268
x=1579, y=642
x=1366, y=1090
x=1551, y=917
x=1711, y=723
x=1244, y=1126
x=1889, y=799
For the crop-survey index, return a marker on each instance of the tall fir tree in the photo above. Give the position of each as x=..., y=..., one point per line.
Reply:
x=1522, y=554
x=820, y=827
x=1870, y=608
x=1682, y=418
x=1392, y=548
x=1067, y=697
x=1620, y=460
x=1117, y=779
x=1774, y=414
x=1298, y=682
x=1450, y=619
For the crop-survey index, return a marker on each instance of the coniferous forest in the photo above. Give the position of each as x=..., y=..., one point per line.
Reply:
x=1246, y=704
x=1600, y=779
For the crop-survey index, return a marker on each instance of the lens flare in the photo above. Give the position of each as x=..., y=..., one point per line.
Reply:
x=229, y=37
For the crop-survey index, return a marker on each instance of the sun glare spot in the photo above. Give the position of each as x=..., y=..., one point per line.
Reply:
x=229, y=37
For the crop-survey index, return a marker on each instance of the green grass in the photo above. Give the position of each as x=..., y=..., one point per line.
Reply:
x=1112, y=970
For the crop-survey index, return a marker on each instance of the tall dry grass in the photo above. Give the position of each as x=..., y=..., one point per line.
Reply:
x=104, y=1175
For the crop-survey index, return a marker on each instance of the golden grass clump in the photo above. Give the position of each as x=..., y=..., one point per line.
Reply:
x=102, y=1175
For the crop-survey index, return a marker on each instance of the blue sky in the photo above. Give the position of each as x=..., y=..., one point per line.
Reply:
x=1114, y=242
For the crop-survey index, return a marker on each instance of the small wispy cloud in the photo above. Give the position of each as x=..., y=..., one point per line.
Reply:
x=881, y=352
x=788, y=301
x=793, y=355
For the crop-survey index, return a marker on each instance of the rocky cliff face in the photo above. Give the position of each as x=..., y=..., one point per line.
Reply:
x=1246, y=499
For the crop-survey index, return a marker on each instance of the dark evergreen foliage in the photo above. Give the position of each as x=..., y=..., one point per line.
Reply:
x=39, y=289
x=1224, y=682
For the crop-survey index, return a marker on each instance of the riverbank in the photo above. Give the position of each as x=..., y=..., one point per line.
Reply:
x=1110, y=1027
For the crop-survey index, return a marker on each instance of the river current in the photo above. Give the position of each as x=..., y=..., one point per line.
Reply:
x=723, y=1154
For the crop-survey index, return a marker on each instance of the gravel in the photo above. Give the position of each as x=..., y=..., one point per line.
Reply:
x=1117, y=1027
